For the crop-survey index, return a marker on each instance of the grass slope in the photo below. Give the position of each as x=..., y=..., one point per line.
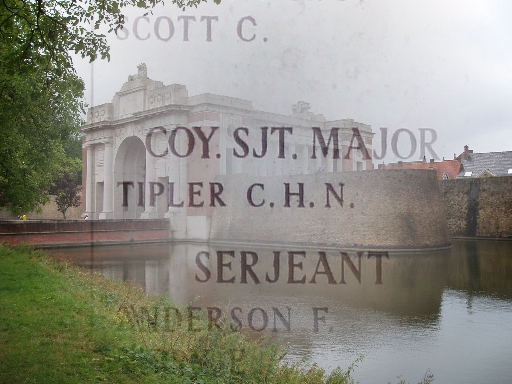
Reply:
x=61, y=324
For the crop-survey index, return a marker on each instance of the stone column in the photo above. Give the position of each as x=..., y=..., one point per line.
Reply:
x=318, y=162
x=149, y=212
x=305, y=160
x=108, y=176
x=178, y=215
x=237, y=165
x=89, y=185
x=174, y=173
x=329, y=161
x=290, y=164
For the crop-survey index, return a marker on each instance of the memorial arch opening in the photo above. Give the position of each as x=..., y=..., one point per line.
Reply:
x=129, y=179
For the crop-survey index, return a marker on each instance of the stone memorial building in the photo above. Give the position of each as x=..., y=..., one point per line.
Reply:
x=155, y=151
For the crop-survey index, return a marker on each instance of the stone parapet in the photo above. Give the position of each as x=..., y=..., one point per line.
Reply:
x=396, y=209
x=51, y=233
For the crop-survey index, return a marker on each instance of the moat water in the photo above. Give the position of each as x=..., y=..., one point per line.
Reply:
x=448, y=312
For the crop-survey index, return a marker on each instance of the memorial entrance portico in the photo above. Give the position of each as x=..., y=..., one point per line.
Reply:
x=144, y=149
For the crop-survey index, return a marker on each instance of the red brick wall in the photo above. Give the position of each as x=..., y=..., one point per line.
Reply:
x=49, y=233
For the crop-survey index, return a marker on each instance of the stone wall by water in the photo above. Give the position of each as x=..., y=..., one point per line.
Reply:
x=478, y=207
x=381, y=209
x=56, y=233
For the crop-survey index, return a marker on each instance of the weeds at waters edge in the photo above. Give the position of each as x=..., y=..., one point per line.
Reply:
x=210, y=349
x=428, y=378
x=60, y=323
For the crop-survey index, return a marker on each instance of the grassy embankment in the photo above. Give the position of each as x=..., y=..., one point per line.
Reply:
x=61, y=324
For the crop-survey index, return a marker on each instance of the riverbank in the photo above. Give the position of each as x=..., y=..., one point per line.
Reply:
x=60, y=323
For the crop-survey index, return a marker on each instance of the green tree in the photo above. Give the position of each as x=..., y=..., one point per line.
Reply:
x=73, y=150
x=41, y=96
x=73, y=147
x=37, y=114
x=66, y=188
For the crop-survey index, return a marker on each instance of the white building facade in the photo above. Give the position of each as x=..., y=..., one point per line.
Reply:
x=153, y=151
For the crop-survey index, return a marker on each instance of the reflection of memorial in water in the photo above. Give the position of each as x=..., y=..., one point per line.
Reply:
x=340, y=303
x=395, y=283
x=390, y=282
x=412, y=283
x=413, y=316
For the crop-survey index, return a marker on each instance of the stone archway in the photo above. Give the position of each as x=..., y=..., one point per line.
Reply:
x=130, y=169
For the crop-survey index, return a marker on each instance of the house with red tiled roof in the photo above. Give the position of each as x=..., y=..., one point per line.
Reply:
x=467, y=164
x=446, y=169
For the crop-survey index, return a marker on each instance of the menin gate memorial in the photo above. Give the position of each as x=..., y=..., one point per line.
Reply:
x=220, y=170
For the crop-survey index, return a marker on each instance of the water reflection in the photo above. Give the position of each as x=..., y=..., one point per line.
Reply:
x=404, y=310
x=482, y=268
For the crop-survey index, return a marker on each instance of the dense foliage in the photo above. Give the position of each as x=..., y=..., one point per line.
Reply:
x=67, y=187
x=41, y=96
x=32, y=131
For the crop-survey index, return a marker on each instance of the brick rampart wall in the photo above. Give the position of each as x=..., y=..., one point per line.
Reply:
x=47, y=233
x=381, y=209
x=478, y=207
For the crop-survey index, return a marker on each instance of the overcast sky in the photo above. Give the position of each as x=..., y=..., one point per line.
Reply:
x=444, y=65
